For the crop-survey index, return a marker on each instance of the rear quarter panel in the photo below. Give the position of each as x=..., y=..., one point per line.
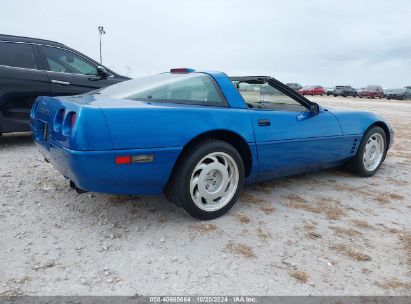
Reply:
x=168, y=125
x=174, y=126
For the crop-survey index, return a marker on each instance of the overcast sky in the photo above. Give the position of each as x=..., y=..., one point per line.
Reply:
x=312, y=42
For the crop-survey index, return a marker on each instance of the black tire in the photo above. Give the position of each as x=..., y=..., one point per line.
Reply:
x=177, y=190
x=335, y=95
x=344, y=95
x=356, y=164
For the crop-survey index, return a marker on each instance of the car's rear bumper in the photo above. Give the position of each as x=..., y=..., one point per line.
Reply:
x=97, y=171
x=395, y=96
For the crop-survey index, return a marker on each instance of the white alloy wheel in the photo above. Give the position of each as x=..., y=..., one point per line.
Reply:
x=373, y=152
x=214, y=181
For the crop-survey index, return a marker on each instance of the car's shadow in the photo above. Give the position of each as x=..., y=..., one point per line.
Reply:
x=15, y=139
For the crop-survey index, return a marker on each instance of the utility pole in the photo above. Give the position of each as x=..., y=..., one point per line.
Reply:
x=101, y=32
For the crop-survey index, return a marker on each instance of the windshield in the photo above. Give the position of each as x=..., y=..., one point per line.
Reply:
x=309, y=87
x=196, y=87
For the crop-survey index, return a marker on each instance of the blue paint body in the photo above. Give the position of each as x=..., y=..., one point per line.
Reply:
x=107, y=128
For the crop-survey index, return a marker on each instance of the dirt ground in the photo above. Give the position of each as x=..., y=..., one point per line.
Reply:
x=325, y=233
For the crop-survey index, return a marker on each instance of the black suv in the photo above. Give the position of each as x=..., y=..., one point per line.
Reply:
x=32, y=67
x=344, y=91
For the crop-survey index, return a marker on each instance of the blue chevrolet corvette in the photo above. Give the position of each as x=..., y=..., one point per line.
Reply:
x=199, y=136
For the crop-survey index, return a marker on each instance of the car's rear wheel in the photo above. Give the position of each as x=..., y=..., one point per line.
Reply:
x=207, y=180
x=371, y=152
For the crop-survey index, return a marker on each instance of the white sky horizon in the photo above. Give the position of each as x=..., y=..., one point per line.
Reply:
x=310, y=42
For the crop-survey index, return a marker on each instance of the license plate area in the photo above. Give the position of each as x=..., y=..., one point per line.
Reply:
x=42, y=130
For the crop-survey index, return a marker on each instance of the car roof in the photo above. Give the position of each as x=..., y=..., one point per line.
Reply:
x=12, y=38
x=250, y=79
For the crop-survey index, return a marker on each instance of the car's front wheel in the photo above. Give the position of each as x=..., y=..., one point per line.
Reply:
x=207, y=180
x=371, y=152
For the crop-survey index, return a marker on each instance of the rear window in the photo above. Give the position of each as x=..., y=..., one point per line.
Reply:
x=192, y=88
x=19, y=55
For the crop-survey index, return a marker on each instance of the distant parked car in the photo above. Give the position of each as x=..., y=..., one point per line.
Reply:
x=372, y=91
x=294, y=86
x=344, y=91
x=329, y=91
x=312, y=90
x=32, y=67
x=400, y=94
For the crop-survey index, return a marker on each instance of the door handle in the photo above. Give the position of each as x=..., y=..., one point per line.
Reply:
x=64, y=83
x=264, y=122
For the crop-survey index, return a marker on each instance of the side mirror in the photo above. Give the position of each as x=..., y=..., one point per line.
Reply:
x=314, y=108
x=102, y=72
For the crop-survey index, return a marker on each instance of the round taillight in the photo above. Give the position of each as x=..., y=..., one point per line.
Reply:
x=73, y=119
x=58, y=120
x=68, y=123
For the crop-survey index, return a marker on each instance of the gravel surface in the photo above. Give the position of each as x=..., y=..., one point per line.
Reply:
x=325, y=233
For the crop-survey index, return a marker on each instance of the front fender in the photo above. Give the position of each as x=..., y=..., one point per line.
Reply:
x=358, y=122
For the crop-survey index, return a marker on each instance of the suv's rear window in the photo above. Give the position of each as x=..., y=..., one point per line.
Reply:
x=19, y=55
x=192, y=88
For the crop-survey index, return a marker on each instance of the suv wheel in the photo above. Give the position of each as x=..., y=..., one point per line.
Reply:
x=207, y=180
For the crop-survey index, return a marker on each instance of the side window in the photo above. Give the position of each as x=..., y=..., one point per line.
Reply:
x=60, y=60
x=19, y=55
x=264, y=96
